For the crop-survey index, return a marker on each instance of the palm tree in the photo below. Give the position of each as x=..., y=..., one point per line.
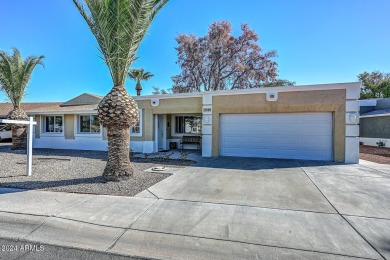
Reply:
x=15, y=74
x=119, y=27
x=138, y=75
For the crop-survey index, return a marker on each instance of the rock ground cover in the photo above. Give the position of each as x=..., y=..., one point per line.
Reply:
x=375, y=154
x=77, y=171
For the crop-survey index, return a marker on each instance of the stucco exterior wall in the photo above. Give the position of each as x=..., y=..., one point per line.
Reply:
x=288, y=102
x=38, y=126
x=69, y=126
x=140, y=138
x=105, y=137
x=173, y=105
x=375, y=127
x=167, y=106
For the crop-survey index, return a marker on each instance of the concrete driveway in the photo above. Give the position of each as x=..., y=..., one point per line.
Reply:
x=225, y=208
x=287, y=208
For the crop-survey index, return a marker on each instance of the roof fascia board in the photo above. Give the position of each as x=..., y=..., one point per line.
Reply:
x=63, y=112
x=255, y=90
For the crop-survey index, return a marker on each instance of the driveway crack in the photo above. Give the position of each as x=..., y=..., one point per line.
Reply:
x=129, y=227
x=360, y=234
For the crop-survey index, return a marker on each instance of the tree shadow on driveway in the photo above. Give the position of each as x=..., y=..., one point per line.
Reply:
x=51, y=184
x=249, y=163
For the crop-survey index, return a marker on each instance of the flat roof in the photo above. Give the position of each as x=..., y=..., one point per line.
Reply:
x=58, y=107
x=376, y=113
x=256, y=90
x=368, y=102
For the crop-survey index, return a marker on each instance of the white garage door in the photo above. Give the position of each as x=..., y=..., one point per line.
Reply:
x=289, y=135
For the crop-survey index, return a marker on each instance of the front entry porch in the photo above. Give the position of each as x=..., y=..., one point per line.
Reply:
x=178, y=131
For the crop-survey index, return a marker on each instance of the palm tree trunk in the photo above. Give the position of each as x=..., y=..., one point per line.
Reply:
x=19, y=137
x=118, y=166
x=19, y=132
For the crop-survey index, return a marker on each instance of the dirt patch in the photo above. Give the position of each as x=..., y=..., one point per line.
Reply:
x=375, y=154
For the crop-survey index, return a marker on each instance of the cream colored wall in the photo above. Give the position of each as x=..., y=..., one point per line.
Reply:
x=38, y=126
x=169, y=129
x=105, y=137
x=288, y=102
x=140, y=138
x=69, y=126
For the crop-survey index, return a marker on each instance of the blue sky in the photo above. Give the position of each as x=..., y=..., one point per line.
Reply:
x=322, y=41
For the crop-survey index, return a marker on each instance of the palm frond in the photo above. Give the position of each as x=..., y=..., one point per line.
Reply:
x=139, y=74
x=119, y=27
x=15, y=73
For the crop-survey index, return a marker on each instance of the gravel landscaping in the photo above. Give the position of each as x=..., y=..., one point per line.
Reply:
x=375, y=154
x=77, y=171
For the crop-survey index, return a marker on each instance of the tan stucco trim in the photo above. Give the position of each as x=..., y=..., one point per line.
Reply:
x=173, y=106
x=69, y=126
x=169, y=126
x=288, y=102
x=38, y=126
x=300, y=88
x=149, y=125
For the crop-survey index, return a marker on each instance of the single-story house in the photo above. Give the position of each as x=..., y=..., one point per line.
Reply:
x=5, y=108
x=375, y=122
x=314, y=122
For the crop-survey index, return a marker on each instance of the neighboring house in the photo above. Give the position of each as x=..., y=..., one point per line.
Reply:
x=316, y=122
x=375, y=122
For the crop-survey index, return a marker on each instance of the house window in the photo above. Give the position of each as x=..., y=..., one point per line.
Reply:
x=89, y=124
x=53, y=124
x=136, y=130
x=188, y=124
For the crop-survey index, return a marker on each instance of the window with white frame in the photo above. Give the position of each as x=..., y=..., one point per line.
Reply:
x=136, y=130
x=188, y=124
x=88, y=124
x=53, y=124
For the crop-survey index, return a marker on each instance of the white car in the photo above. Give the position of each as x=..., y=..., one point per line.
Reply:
x=5, y=132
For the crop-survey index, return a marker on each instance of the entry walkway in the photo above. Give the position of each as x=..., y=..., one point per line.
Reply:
x=225, y=208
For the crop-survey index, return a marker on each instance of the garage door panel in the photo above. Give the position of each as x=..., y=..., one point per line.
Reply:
x=258, y=130
x=313, y=143
x=289, y=135
x=316, y=131
x=263, y=142
x=259, y=152
x=282, y=153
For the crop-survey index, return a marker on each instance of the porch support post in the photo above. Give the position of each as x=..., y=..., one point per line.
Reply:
x=155, y=133
x=207, y=138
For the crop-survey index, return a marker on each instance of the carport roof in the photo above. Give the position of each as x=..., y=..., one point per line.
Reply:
x=376, y=113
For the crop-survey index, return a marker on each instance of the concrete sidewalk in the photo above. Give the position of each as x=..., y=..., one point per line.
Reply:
x=227, y=208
